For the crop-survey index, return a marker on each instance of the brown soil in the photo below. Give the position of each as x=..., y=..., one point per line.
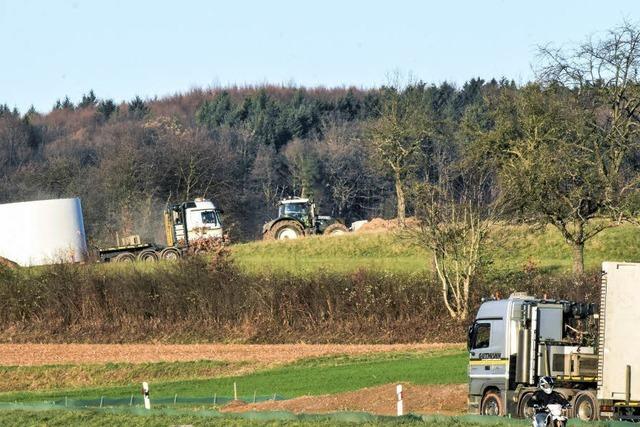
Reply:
x=8, y=263
x=418, y=399
x=49, y=354
x=377, y=225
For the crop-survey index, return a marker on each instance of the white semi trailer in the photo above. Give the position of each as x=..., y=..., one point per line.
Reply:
x=593, y=354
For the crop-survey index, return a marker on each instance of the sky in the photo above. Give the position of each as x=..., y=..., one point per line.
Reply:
x=122, y=49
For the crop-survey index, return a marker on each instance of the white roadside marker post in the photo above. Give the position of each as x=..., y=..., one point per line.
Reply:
x=400, y=403
x=145, y=395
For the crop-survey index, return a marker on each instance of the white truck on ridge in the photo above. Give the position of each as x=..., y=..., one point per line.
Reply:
x=593, y=354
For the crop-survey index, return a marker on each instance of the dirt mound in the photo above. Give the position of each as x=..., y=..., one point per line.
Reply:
x=377, y=225
x=263, y=354
x=381, y=400
x=8, y=263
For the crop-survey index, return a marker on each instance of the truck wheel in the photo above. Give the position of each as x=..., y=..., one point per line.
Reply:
x=284, y=230
x=491, y=404
x=148, y=255
x=335, y=229
x=524, y=411
x=125, y=257
x=585, y=407
x=170, y=254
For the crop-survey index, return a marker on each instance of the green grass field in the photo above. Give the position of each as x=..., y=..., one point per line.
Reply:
x=510, y=248
x=315, y=376
x=54, y=418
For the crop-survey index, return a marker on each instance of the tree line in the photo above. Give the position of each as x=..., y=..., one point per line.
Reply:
x=560, y=150
x=245, y=148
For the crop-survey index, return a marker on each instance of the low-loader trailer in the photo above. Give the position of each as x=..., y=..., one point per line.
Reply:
x=593, y=353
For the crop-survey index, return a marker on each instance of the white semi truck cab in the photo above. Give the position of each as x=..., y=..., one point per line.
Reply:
x=593, y=354
x=184, y=224
x=189, y=221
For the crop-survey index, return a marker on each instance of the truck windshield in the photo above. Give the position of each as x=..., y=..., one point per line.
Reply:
x=209, y=217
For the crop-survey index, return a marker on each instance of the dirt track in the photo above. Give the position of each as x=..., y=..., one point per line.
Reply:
x=418, y=399
x=48, y=354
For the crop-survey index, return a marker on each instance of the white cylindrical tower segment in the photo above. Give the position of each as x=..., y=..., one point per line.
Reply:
x=43, y=232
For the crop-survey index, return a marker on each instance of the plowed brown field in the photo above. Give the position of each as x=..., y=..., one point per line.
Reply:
x=418, y=399
x=57, y=354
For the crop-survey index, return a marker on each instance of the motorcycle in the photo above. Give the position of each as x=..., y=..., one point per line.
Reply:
x=553, y=415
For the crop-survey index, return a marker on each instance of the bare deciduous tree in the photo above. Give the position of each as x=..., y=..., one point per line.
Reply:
x=454, y=218
x=266, y=174
x=303, y=167
x=398, y=135
x=570, y=158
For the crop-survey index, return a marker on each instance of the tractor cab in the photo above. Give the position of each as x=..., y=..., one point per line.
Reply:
x=298, y=208
x=298, y=217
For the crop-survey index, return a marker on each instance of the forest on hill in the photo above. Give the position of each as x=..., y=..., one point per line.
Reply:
x=245, y=148
x=563, y=149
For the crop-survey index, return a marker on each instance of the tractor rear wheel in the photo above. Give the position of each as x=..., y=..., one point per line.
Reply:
x=285, y=230
x=335, y=229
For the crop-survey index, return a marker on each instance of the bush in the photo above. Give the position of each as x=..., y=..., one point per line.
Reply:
x=197, y=300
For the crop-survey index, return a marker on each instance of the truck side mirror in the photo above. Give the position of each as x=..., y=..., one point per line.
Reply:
x=470, y=336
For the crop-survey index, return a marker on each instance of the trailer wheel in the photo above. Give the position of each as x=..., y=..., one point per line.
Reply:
x=491, y=404
x=148, y=255
x=125, y=257
x=586, y=407
x=335, y=229
x=170, y=254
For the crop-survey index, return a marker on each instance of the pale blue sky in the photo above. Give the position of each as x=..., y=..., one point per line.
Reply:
x=125, y=48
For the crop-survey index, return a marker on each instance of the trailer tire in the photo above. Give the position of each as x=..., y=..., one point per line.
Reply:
x=170, y=254
x=125, y=257
x=335, y=229
x=586, y=407
x=148, y=255
x=491, y=404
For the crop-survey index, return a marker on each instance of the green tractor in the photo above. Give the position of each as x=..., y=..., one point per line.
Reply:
x=297, y=217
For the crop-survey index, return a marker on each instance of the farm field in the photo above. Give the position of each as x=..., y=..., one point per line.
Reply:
x=306, y=376
x=63, y=366
x=331, y=390
x=346, y=378
x=510, y=248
